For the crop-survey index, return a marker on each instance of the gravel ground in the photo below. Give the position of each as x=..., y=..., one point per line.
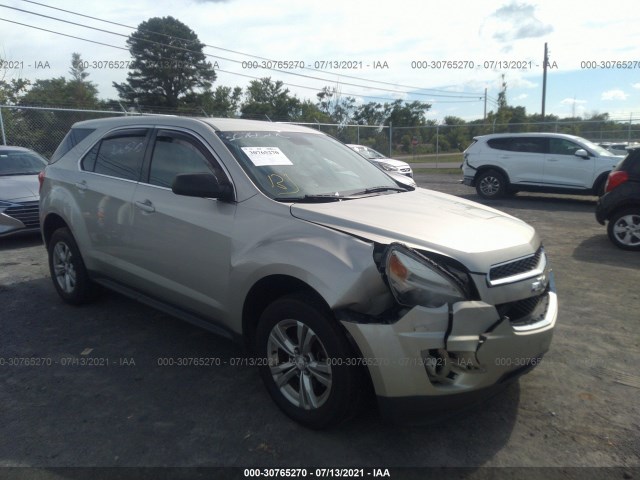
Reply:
x=579, y=408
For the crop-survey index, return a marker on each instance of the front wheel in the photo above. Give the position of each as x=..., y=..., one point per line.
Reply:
x=308, y=364
x=491, y=184
x=624, y=229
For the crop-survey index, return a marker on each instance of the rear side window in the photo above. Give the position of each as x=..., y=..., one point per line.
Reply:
x=118, y=155
x=520, y=144
x=71, y=139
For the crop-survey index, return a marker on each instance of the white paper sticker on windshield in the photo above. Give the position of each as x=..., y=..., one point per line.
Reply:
x=266, y=156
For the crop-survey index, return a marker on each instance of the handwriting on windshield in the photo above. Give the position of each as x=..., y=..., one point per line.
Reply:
x=282, y=184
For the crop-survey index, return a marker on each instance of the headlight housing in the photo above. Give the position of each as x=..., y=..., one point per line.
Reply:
x=388, y=167
x=417, y=280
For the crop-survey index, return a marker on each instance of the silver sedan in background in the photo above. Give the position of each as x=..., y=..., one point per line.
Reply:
x=19, y=169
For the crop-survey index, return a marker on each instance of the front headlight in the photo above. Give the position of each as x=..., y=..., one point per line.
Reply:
x=388, y=167
x=417, y=280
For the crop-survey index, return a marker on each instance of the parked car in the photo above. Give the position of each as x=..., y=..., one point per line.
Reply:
x=285, y=239
x=504, y=163
x=620, y=205
x=19, y=169
x=619, y=148
x=389, y=165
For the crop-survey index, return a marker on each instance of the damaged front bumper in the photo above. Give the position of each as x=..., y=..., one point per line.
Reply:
x=453, y=354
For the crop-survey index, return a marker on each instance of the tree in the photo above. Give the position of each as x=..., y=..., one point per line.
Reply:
x=168, y=65
x=12, y=91
x=340, y=109
x=266, y=99
x=221, y=102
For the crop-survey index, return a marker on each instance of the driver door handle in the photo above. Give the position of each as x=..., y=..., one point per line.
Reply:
x=146, y=206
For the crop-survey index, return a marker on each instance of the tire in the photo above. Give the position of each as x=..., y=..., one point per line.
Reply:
x=491, y=184
x=301, y=346
x=624, y=228
x=67, y=269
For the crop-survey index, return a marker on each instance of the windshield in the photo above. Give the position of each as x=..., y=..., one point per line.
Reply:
x=18, y=162
x=603, y=152
x=369, y=153
x=291, y=166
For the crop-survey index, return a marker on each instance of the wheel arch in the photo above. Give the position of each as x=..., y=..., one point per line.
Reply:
x=624, y=205
x=268, y=289
x=51, y=223
x=598, y=184
x=263, y=293
x=485, y=168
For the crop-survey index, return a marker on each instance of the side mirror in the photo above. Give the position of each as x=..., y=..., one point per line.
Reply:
x=581, y=152
x=204, y=185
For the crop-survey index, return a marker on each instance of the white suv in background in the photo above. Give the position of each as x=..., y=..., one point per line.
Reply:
x=543, y=162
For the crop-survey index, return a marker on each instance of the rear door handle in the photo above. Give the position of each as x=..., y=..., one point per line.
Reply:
x=552, y=159
x=146, y=206
x=81, y=185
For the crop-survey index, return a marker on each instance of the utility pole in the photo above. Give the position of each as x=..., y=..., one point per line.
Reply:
x=485, y=104
x=544, y=78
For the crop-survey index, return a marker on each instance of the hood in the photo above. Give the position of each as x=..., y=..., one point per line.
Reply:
x=471, y=233
x=391, y=161
x=16, y=188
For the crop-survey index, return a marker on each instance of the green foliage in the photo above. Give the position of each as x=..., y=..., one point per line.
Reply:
x=268, y=100
x=168, y=67
x=12, y=91
x=221, y=102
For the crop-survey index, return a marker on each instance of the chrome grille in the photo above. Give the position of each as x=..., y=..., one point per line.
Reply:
x=516, y=268
x=27, y=213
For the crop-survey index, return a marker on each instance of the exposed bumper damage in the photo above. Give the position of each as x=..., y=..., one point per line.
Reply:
x=468, y=348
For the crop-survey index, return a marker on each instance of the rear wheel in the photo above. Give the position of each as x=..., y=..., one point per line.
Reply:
x=67, y=269
x=491, y=184
x=306, y=362
x=624, y=228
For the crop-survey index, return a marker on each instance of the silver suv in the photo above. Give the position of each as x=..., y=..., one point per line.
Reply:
x=333, y=275
x=504, y=163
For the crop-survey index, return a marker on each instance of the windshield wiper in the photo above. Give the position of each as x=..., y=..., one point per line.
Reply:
x=378, y=190
x=318, y=198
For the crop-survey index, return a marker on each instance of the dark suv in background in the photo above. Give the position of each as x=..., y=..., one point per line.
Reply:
x=620, y=205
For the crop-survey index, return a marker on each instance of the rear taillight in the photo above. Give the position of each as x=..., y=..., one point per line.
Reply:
x=615, y=179
x=40, y=179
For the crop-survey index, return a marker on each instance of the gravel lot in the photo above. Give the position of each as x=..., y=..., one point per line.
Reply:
x=579, y=408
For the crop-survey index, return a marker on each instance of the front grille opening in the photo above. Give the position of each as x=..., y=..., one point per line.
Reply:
x=516, y=267
x=27, y=213
x=525, y=312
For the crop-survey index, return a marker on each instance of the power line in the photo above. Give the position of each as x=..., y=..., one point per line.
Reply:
x=219, y=69
x=460, y=95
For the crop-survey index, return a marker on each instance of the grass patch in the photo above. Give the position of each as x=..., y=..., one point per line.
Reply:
x=447, y=171
x=443, y=158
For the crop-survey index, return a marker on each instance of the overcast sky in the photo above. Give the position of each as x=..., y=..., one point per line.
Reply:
x=488, y=35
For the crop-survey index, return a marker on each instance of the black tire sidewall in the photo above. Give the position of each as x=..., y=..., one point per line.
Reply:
x=502, y=188
x=345, y=379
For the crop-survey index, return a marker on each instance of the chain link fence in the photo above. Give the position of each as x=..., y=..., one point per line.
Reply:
x=42, y=129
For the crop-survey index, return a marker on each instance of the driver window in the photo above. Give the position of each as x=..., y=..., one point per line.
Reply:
x=175, y=153
x=560, y=146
